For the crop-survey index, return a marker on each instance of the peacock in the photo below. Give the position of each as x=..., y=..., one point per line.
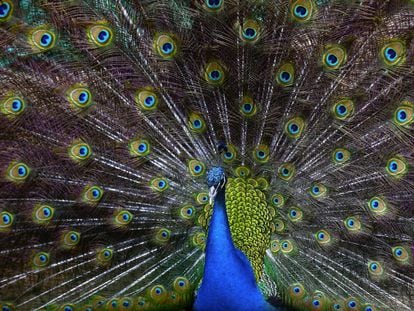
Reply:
x=250, y=155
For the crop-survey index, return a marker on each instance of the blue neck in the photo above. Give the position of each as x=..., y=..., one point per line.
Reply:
x=228, y=281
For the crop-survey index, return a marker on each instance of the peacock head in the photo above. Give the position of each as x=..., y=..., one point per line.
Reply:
x=216, y=180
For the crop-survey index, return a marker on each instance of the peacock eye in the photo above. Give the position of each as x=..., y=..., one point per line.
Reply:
x=287, y=247
x=100, y=35
x=248, y=108
x=181, y=284
x=261, y=154
x=249, y=31
x=146, y=99
x=404, y=114
x=401, y=254
x=42, y=39
x=92, y=194
x=340, y=155
x=352, y=224
x=295, y=215
x=286, y=171
x=12, y=106
x=397, y=167
x=79, y=97
x=213, y=5
x=214, y=73
x=42, y=214
x=279, y=225
x=68, y=308
x=333, y=57
x=375, y=268
x=41, y=259
x=302, y=10
x=187, y=212
x=6, y=220
x=159, y=184
x=196, y=168
x=242, y=171
x=6, y=10
x=294, y=127
x=196, y=123
x=165, y=46
x=323, y=237
x=202, y=198
x=123, y=218
x=393, y=53
x=274, y=246
x=71, y=239
x=163, y=235
x=377, y=205
x=139, y=147
x=104, y=256
x=285, y=75
x=158, y=292
x=277, y=200
x=343, y=109
x=17, y=172
x=79, y=151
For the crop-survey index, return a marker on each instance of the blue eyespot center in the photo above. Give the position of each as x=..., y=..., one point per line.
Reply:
x=285, y=245
x=215, y=75
x=368, y=309
x=16, y=105
x=332, y=60
x=351, y=222
x=321, y=236
x=21, y=171
x=83, y=97
x=197, y=168
x=158, y=291
x=398, y=252
x=73, y=237
x=352, y=304
x=402, y=115
x=250, y=33
x=341, y=110
x=375, y=204
x=168, y=48
x=247, y=107
x=46, y=39
x=67, y=308
x=6, y=219
x=213, y=4
x=228, y=155
x=4, y=9
x=390, y=54
x=296, y=289
x=161, y=184
x=107, y=253
x=46, y=211
x=301, y=11
x=189, y=211
x=125, y=217
x=337, y=306
x=103, y=36
x=95, y=193
x=393, y=166
x=142, y=147
x=316, y=303
x=149, y=101
x=126, y=304
x=114, y=304
x=285, y=172
x=315, y=189
x=284, y=76
x=339, y=155
x=197, y=123
x=294, y=128
x=42, y=258
x=83, y=151
x=261, y=154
